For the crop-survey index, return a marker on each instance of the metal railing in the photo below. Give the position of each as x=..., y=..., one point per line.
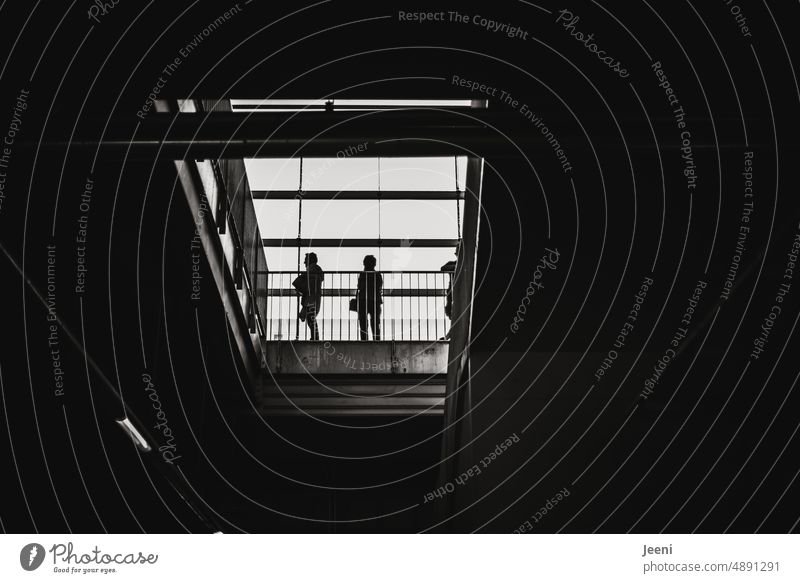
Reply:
x=231, y=206
x=412, y=306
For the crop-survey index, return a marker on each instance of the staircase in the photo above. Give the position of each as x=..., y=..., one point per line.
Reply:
x=323, y=379
x=341, y=395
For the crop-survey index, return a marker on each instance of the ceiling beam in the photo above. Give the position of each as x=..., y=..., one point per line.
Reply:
x=359, y=194
x=337, y=134
x=294, y=243
x=343, y=134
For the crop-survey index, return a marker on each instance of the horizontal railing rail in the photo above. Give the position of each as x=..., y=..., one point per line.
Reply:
x=319, y=242
x=410, y=306
x=358, y=194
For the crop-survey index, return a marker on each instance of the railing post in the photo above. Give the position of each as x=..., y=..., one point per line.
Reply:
x=221, y=214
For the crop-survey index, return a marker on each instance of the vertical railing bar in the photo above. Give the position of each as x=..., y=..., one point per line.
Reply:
x=383, y=313
x=444, y=316
x=341, y=307
x=419, y=312
x=402, y=310
x=280, y=309
x=349, y=317
x=272, y=313
x=409, y=308
x=288, y=311
x=357, y=330
x=394, y=308
x=435, y=310
x=427, y=310
x=371, y=321
x=269, y=311
x=289, y=315
x=271, y=300
x=390, y=300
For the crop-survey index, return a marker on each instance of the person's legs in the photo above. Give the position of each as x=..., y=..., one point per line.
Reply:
x=362, y=322
x=311, y=320
x=376, y=324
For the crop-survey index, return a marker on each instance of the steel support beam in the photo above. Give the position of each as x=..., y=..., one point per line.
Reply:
x=359, y=194
x=422, y=132
x=283, y=135
x=410, y=132
x=293, y=243
x=457, y=436
x=350, y=292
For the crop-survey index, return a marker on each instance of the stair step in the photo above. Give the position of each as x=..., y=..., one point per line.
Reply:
x=349, y=396
x=325, y=390
x=354, y=412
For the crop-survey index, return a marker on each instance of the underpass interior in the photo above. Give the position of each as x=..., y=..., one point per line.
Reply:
x=342, y=427
x=570, y=215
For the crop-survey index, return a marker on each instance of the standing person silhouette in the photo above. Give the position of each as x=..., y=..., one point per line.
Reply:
x=450, y=268
x=311, y=300
x=369, y=298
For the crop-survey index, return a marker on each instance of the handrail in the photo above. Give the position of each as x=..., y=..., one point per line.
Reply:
x=382, y=271
x=227, y=228
x=327, y=242
x=360, y=194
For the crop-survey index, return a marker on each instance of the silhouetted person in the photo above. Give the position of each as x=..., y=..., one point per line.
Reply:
x=311, y=301
x=369, y=298
x=450, y=267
